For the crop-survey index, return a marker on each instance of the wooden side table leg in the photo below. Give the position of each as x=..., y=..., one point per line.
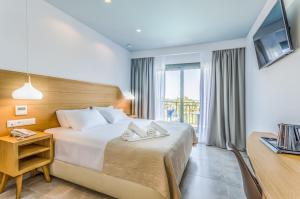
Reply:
x=33, y=173
x=46, y=173
x=19, y=182
x=4, y=180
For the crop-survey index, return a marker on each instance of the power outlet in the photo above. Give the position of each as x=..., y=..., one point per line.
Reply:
x=22, y=122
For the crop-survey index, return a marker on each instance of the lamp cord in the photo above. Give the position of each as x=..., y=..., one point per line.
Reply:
x=27, y=37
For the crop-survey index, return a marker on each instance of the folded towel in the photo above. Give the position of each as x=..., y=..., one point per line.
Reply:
x=151, y=132
x=129, y=135
x=139, y=131
x=158, y=128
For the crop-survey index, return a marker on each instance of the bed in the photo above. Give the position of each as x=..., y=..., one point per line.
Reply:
x=97, y=158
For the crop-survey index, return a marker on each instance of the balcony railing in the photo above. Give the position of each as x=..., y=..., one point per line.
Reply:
x=191, y=110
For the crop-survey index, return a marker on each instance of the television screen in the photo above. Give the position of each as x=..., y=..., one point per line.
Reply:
x=272, y=41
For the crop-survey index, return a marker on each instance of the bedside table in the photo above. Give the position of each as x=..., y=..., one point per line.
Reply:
x=18, y=157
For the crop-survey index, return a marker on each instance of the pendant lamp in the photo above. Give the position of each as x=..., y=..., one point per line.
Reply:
x=27, y=91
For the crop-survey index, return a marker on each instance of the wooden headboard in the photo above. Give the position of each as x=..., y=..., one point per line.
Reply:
x=58, y=94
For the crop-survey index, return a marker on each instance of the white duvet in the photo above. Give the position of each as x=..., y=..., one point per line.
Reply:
x=86, y=148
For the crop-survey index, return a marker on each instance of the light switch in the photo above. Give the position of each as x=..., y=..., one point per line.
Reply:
x=23, y=122
x=21, y=110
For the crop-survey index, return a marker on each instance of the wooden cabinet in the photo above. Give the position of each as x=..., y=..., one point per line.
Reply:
x=19, y=156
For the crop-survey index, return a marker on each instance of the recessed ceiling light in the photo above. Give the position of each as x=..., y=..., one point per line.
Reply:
x=138, y=30
x=107, y=1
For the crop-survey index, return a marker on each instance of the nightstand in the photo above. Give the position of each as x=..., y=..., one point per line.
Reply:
x=18, y=157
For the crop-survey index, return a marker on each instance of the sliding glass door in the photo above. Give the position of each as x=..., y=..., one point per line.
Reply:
x=182, y=93
x=172, y=101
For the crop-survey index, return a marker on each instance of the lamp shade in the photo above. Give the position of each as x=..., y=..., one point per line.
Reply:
x=27, y=92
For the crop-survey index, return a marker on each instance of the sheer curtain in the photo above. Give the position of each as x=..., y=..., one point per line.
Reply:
x=159, y=67
x=205, y=86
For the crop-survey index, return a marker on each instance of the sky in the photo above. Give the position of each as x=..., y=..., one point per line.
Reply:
x=191, y=84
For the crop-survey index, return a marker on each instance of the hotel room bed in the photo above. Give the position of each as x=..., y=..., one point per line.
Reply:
x=144, y=169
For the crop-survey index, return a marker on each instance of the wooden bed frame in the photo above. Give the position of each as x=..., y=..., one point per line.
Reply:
x=100, y=182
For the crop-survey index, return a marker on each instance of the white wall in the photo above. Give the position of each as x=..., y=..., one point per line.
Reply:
x=273, y=94
x=60, y=46
x=191, y=49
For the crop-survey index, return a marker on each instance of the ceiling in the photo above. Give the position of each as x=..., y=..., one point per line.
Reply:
x=165, y=23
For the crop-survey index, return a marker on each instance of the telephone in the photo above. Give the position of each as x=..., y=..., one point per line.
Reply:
x=23, y=133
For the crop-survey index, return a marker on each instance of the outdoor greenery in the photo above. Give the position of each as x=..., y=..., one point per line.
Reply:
x=191, y=110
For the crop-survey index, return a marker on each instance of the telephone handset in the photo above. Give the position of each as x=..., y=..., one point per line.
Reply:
x=23, y=133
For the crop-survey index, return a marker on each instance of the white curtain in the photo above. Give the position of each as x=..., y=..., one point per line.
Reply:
x=205, y=82
x=159, y=67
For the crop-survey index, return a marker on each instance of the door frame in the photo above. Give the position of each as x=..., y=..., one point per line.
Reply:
x=182, y=68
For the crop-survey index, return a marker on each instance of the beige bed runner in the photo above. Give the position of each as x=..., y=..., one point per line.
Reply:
x=155, y=163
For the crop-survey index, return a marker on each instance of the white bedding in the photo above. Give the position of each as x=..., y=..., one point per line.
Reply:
x=86, y=148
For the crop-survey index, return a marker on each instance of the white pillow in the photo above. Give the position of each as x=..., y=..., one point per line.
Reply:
x=111, y=115
x=84, y=119
x=60, y=114
x=62, y=119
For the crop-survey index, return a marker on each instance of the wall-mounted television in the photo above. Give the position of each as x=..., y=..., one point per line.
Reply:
x=272, y=40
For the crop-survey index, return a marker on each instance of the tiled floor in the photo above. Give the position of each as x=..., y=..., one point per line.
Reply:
x=211, y=173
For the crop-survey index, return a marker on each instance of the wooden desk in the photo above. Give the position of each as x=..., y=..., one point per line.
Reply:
x=278, y=174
